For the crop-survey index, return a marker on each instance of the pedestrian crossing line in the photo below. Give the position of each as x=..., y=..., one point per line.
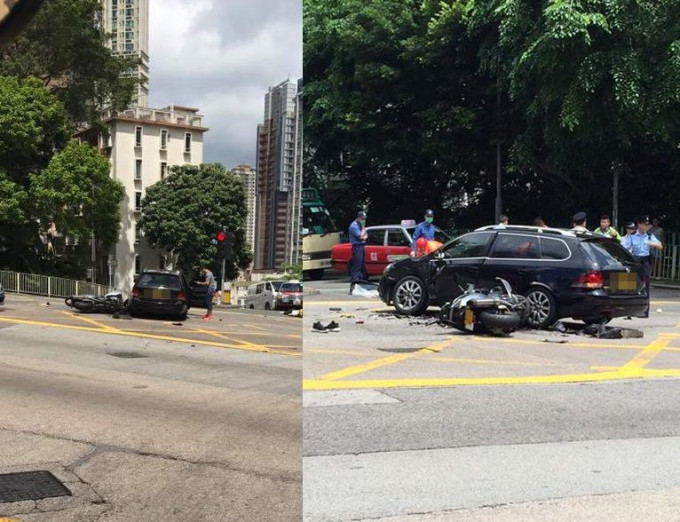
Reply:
x=384, y=361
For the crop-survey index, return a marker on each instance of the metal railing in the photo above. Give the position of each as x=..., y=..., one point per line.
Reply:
x=49, y=286
x=666, y=264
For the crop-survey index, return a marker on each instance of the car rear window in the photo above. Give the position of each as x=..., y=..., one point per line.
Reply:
x=554, y=249
x=291, y=287
x=607, y=253
x=159, y=281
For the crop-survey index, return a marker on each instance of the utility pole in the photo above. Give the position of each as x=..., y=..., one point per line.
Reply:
x=499, y=199
x=615, y=197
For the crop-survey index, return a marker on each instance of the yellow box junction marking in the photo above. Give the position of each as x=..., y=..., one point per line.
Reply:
x=384, y=361
x=635, y=368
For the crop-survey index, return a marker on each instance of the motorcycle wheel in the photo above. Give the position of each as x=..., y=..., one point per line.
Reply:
x=499, y=323
x=82, y=305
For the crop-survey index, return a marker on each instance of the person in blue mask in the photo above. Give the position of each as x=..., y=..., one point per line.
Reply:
x=641, y=243
x=425, y=229
x=357, y=238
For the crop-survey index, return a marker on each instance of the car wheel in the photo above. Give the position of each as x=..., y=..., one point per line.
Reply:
x=410, y=296
x=542, y=307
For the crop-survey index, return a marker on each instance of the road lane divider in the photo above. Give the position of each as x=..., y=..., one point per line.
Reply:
x=184, y=340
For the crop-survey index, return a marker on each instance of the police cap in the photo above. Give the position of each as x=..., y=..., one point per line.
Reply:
x=361, y=214
x=429, y=213
x=579, y=217
x=642, y=219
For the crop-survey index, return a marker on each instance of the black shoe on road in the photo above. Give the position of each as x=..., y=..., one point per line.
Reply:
x=333, y=327
x=319, y=328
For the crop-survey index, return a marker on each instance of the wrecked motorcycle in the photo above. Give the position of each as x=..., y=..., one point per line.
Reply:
x=497, y=311
x=108, y=304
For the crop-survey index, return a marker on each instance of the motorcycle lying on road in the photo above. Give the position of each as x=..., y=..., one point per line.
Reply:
x=110, y=303
x=497, y=311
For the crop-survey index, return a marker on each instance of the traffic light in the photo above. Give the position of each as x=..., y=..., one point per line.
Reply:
x=225, y=243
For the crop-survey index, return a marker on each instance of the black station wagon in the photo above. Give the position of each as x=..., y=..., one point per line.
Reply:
x=563, y=273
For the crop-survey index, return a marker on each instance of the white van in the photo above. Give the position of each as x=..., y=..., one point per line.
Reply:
x=262, y=296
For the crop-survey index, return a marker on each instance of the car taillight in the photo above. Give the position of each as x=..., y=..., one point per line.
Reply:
x=135, y=292
x=590, y=280
x=181, y=296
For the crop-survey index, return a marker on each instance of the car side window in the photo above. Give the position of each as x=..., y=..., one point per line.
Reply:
x=513, y=246
x=259, y=289
x=553, y=249
x=397, y=238
x=472, y=245
x=376, y=237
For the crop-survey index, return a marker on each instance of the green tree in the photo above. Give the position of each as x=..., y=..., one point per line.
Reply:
x=78, y=195
x=33, y=124
x=65, y=47
x=183, y=213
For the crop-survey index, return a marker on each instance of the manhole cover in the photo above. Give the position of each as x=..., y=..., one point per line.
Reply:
x=127, y=355
x=399, y=350
x=30, y=485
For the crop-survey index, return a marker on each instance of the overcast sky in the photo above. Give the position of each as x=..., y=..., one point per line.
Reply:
x=221, y=56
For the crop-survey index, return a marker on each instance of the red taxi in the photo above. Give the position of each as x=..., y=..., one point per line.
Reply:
x=385, y=244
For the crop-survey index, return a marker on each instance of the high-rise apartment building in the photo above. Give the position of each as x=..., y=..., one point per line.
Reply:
x=128, y=23
x=249, y=176
x=278, y=188
x=142, y=145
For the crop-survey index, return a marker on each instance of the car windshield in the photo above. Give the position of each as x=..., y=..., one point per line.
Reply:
x=159, y=281
x=317, y=220
x=607, y=253
x=291, y=287
x=276, y=285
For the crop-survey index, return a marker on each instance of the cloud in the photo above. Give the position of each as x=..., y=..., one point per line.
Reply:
x=222, y=56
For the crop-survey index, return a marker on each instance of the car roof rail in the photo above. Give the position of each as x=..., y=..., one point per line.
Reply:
x=538, y=230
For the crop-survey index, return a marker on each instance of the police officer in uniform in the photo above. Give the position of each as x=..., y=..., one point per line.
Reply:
x=579, y=222
x=425, y=229
x=357, y=238
x=641, y=243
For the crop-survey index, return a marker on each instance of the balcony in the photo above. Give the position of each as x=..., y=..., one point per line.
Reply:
x=143, y=114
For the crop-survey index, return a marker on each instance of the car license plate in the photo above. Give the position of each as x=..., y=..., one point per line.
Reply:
x=469, y=320
x=157, y=293
x=623, y=281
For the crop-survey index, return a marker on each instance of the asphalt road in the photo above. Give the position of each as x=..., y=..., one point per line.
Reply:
x=144, y=419
x=406, y=420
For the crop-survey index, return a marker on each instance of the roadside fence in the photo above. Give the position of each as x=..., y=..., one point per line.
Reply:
x=49, y=286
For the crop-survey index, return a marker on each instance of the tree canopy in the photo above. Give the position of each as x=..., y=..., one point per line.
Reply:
x=65, y=47
x=402, y=106
x=78, y=195
x=182, y=214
